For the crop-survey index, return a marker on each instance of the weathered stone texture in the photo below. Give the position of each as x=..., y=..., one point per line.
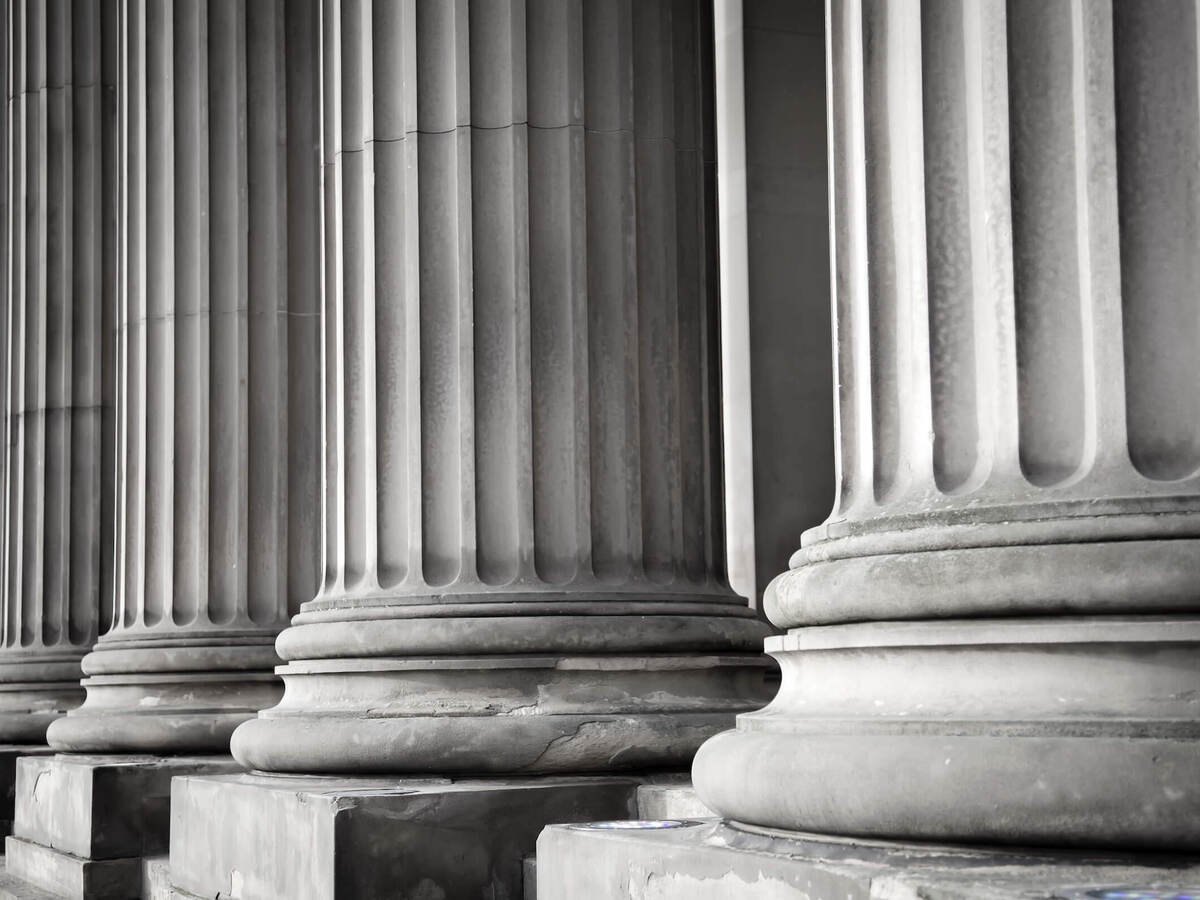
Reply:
x=85, y=824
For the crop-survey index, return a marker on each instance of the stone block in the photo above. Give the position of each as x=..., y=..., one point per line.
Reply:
x=257, y=837
x=668, y=800
x=156, y=878
x=102, y=807
x=68, y=876
x=9, y=754
x=709, y=860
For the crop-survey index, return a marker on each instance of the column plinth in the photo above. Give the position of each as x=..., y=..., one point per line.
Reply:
x=217, y=378
x=523, y=567
x=994, y=636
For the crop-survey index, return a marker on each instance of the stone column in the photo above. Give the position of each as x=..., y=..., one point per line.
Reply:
x=217, y=395
x=57, y=474
x=994, y=637
x=523, y=560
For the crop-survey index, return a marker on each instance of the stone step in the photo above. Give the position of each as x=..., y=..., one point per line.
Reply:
x=14, y=888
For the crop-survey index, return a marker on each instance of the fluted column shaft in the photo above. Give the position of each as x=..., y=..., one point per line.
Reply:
x=59, y=295
x=1014, y=211
x=217, y=394
x=523, y=567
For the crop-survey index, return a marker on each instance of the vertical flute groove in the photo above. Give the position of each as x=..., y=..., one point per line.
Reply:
x=1158, y=134
x=267, y=358
x=615, y=475
x=1047, y=273
x=160, y=314
x=83, y=526
x=34, y=320
x=657, y=289
x=1105, y=440
x=447, y=451
x=948, y=222
x=301, y=298
x=229, y=312
x=557, y=289
x=191, y=305
x=110, y=35
x=500, y=296
x=395, y=159
x=358, y=258
x=56, y=346
x=693, y=276
x=854, y=451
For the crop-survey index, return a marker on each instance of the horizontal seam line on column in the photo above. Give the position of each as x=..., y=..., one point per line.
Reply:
x=222, y=312
x=24, y=92
x=79, y=406
x=663, y=140
x=526, y=123
x=763, y=29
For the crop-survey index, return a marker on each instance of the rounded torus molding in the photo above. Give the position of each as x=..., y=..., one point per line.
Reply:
x=534, y=684
x=1058, y=731
x=993, y=559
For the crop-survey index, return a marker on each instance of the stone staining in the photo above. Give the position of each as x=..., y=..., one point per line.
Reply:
x=57, y=495
x=217, y=394
x=995, y=634
x=523, y=569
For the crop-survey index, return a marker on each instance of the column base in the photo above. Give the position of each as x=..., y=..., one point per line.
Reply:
x=1062, y=732
x=320, y=838
x=84, y=824
x=708, y=860
x=173, y=695
x=499, y=714
x=35, y=690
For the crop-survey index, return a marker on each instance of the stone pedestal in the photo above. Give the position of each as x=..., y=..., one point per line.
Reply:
x=9, y=754
x=85, y=824
x=258, y=837
x=692, y=859
x=996, y=634
x=55, y=537
x=523, y=565
x=217, y=390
